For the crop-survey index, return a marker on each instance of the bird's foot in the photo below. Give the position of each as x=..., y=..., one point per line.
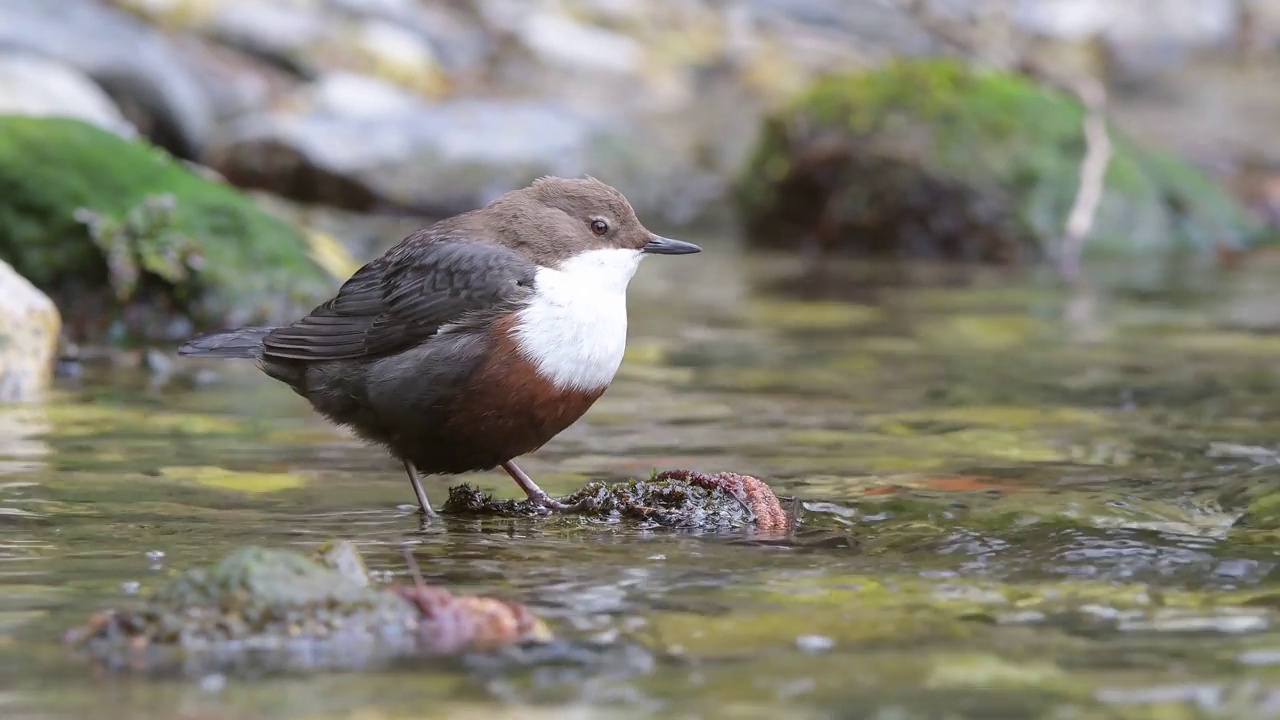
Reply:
x=538, y=497
x=542, y=500
x=424, y=505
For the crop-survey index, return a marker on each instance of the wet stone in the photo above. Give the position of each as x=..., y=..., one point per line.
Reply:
x=675, y=498
x=269, y=609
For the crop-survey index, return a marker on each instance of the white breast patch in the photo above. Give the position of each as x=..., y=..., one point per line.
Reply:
x=574, y=331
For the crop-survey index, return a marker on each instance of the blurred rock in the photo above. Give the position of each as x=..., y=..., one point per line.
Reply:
x=561, y=41
x=33, y=85
x=156, y=247
x=929, y=158
x=1256, y=183
x=308, y=39
x=29, y=326
x=659, y=97
x=458, y=39
x=280, y=32
x=282, y=610
x=364, y=144
x=1190, y=23
x=236, y=83
x=352, y=95
x=1149, y=44
x=399, y=55
x=150, y=81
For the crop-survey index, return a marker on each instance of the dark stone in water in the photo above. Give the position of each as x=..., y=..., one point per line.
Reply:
x=676, y=498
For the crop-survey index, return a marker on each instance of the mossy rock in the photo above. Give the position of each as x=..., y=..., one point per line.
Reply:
x=104, y=224
x=675, y=499
x=931, y=157
x=273, y=609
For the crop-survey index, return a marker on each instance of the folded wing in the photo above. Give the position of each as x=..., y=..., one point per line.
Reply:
x=404, y=298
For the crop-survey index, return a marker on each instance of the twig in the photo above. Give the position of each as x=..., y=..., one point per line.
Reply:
x=1093, y=179
x=413, y=567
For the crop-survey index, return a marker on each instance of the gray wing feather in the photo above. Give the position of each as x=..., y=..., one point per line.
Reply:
x=403, y=299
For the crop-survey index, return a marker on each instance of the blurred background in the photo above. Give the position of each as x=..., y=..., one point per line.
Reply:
x=988, y=288
x=907, y=128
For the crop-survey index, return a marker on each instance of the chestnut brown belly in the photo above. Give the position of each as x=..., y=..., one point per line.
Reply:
x=505, y=410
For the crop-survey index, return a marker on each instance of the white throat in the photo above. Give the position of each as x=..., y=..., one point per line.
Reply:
x=574, y=330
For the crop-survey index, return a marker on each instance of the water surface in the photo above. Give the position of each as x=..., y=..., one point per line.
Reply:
x=1017, y=502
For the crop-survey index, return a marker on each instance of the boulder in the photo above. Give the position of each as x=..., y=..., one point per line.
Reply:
x=364, y=144
x=29, y=326
x=933, y=158
x=136, y=64
x=35, y=85
x=308, y=39
x=132, y=242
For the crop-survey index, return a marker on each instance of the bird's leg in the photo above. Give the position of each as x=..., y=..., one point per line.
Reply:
x=537, y=495
x=416, y=481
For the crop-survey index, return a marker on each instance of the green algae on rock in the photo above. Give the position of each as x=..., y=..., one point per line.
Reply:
x=83, y=209
x=931, y=157
x=675, y=498
x=284, y=610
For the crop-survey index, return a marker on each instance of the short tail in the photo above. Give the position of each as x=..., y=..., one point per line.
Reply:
x=239, y=343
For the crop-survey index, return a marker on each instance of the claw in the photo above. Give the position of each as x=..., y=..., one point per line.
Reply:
x=545, y=501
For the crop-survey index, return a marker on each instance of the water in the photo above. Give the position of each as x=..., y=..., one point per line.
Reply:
x=1018, y=503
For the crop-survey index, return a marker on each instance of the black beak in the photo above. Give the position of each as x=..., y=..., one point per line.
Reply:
x=659, y=245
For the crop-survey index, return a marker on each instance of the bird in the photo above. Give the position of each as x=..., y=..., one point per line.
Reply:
x=475, y=340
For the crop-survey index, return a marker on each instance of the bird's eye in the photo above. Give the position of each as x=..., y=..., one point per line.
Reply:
x=599, y=227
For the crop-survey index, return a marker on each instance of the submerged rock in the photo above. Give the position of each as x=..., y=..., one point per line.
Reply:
x=933, y=158
x=119, y=231
x=676, y=498
x=29, y=326
x=283, y=610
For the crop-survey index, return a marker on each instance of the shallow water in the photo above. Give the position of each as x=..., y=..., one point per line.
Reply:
x=1016, y=503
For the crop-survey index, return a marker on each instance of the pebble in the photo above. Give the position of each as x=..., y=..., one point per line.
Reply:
x=815, y=643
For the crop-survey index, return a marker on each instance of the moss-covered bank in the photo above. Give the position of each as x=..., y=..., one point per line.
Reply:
x=105, y=224
x=930, y=157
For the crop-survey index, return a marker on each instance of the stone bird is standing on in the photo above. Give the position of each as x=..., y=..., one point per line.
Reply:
x=473, y=341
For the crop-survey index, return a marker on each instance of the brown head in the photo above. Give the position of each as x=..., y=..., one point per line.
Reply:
x=556, y=219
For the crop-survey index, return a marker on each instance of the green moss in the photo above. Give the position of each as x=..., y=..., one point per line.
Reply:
x=977, y=163
x=82, y=208
x=1262, y=511
x=267, y=584
x=255, y=598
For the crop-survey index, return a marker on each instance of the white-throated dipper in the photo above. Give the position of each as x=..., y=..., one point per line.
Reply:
x=473, y=341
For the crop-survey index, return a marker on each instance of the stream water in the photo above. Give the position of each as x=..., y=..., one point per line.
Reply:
x=1017, y=503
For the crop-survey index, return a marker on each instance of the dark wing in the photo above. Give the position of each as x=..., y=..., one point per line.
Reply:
x=404, y=298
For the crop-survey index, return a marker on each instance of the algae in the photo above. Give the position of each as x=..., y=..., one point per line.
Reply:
x=82, y=209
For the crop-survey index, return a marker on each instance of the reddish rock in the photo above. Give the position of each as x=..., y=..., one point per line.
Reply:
x=759, y=497
x=453, y=623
